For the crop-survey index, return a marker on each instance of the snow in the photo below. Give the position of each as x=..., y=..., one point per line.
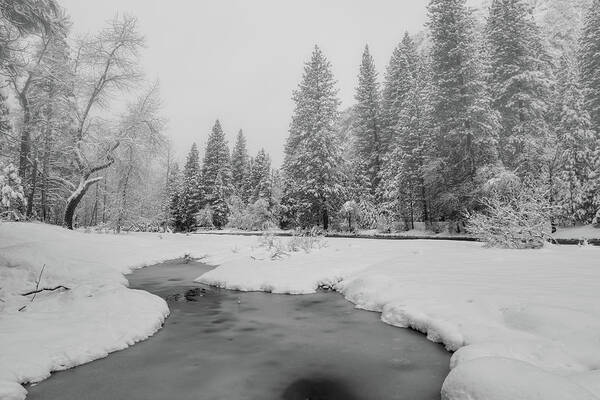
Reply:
x=537, y=308
x=524, y=324
x=99, y=315
x=578, y=232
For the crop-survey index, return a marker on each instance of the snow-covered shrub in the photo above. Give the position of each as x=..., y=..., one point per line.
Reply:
x=256, y=216
x=313, y=239
x=517, y=217
x=204, y=218
x=12, y=198
x=277, y=247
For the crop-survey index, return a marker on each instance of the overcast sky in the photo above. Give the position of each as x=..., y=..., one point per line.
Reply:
x=240, y=60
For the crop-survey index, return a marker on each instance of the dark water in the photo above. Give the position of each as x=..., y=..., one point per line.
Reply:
x=225, y=345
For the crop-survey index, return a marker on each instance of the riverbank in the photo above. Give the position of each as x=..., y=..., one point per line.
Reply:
x=539, y=308
x=219, y=344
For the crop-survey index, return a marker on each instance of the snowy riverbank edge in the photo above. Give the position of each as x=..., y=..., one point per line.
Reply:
x=523, y=324
x=98, y=315
x=526, y=323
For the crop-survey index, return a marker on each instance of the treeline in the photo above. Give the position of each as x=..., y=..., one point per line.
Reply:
x=66, y=155
x=473, y=110
x=226, y=188
x=494, y=110
x=497, y=108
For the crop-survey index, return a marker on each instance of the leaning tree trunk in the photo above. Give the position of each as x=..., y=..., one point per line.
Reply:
x=85, y=182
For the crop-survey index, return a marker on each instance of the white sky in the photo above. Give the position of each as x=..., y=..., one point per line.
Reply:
x=240, y=60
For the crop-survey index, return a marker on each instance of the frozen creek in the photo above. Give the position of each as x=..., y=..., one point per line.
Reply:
x=220, y=344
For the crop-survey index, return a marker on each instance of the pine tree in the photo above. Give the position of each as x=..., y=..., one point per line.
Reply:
x=520, y=85
x=260, y=177
x=367, y=126
x=239, y=164
x=404, y=190
x=589, y=57
x=576, y=145
x=174, y=190
x=218, y=202
x=398, y=81
x=190, y=199
x=216, y=160
x=312, y=159
x=465, y=127
x=216, y=173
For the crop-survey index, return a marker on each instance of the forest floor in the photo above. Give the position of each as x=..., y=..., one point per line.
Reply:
x=525, y=322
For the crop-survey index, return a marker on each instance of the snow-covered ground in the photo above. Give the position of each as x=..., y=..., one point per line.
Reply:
x=62, y=329
x=525, y=324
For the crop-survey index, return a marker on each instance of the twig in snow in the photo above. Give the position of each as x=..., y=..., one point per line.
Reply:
x=37, y=283
x=34, y=292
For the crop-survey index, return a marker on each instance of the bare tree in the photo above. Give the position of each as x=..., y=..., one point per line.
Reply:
x=105, y=64
x=141, y=141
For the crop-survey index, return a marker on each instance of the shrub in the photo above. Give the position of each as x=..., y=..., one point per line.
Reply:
x=518, y=218
x=12, y=198
x=256, y=216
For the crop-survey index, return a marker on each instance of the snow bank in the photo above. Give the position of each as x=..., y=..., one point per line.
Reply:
x=578, y=232
x=98, y=315
x=540, y=309
x=524, y=324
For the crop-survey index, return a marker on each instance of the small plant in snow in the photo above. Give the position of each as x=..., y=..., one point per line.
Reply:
x=11, y=193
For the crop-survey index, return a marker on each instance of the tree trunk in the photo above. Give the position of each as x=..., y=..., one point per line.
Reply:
x=325, y=219
x=31, y=196
x=73, y=202
x=25, y=148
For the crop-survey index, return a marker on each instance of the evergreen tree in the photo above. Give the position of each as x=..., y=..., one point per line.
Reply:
x=312, y=159
x=575, y=150
x=465, y=127
x=239, y=164
x=589, y=56
x=216, y=173
x=520, y=85
x=190, y=198
x=398, y=81
x=218, y=202
x=404, y=190
x=174, y=189
x=260, y=177
x=367, y=126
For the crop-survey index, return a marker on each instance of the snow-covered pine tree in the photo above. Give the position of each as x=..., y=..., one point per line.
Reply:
x=521, y=83
x=367, y=125
x=239, y=164
x=465, y=126
x=173, y=207
x=575, y=150
x=589, y=57
x=260, y=177
x=191, y=196
x=403, y=184
x=248, y=189
x=217, y=164
x=312, y=155
x=216, y=160
x=397, y=84
x=218, y=202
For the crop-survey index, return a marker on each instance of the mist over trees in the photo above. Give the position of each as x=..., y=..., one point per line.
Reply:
x=487, y=103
